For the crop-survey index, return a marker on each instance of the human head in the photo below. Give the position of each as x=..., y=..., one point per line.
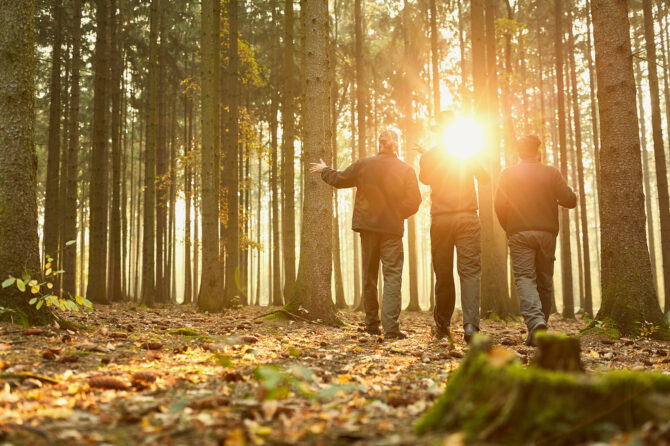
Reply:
x=528, y=147
x=388, y=141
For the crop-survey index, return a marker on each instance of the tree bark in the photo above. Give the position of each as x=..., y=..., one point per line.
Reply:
x=19, y=241
x=627, y=283
x=313, y=284
x=114, y=276
x=53, y=142
x=210, y=289
x=659, y=149
x=586, y=248
x=566, y=252
x=71, y=170
x=97, y=254
x=231, y=144
x=288, y=152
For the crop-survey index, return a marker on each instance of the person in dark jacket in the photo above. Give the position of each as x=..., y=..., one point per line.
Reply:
x=455, y=223
x=387, y=193
x=526, y=204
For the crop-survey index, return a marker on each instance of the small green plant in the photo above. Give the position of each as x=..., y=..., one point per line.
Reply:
x=42, y=290
x=647, y=329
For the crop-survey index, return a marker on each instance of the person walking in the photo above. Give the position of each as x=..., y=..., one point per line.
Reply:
x=454, y=223
x=526, y=204
x=387, y=193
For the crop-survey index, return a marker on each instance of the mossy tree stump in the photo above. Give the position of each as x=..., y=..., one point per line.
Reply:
x=492, y=397
x=558, y=353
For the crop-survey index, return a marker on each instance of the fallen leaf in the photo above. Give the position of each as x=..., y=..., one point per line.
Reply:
x=107, y=382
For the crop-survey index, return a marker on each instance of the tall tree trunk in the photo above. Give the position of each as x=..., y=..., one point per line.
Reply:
x=411, y=76
x=149, y=220
x=288, y=152
x=188, y=138
x=97, y=255
x=313, y=284
x=566, y=252
x=588, y=294
x=231, y=144
x=71, y=170
x=646, y=171
x=659, y=150
x=358, y=295
x=627, y=282
x=161, y=164
x=53, y=142
x=435, y=57
x=210, y=289
x=19, y=242
x=114, y=89
x=495, y=296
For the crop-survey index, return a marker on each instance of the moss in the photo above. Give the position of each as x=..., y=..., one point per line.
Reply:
x=68, y=324
x=494, y=317
x=491, y=396
x=185, y=331
x=605, y=328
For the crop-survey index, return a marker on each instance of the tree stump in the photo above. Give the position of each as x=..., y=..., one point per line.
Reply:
x=558, y=352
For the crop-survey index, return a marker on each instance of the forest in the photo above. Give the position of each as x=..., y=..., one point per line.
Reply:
x=206, y=205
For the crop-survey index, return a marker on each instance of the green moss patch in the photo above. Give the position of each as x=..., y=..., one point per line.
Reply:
x=492, y=397
x=184, y=331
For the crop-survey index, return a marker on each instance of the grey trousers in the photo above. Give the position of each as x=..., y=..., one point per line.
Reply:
x=388, y=249
x=460, y=230
x=532, y=256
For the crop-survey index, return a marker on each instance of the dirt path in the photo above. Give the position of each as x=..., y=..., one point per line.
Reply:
x=175, y=376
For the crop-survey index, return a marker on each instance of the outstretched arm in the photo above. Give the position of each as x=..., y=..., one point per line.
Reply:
x=412, y=195
x=501, y=204
x=564, y=194
x=336, y=178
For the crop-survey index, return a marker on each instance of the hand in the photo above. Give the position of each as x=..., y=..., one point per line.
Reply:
x=317, y=167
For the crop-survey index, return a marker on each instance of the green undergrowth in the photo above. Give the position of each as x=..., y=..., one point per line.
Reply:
x=492, y=397
x=71, y=325
x=605, y=328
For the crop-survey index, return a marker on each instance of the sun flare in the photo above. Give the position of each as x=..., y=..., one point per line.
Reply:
x=464, y=138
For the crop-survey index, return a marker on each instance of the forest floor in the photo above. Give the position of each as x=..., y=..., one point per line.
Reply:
x=174, y=376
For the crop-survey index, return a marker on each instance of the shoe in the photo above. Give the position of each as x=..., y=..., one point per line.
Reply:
x=395, y=335
x=440, y=333
x=374, y=331
x=530, y=340
x=468, y=331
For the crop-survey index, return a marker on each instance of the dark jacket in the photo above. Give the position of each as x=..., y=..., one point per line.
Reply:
x=528, y=197
x=387, y=192
x=452, y=181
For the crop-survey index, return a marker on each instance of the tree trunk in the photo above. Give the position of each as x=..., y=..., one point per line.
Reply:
x=410, y=63
x=659, y=149
x=19, y=241
x=495, y=296
x=188, y=196
x=97, y=255
x=566, y=253
x=114, y=88
x=627, y=282
x=231, y=234
x=586, y=248
x=71, y=170
x=53, y=142
x=646, y=171
x=288, y=153
x=161, y=164
x=210, y=289
x=435, y=57
x=313, y=284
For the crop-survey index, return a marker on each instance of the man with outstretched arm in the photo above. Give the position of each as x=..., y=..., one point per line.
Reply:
x=454, y=223
x=526, y=204
x=387, y=193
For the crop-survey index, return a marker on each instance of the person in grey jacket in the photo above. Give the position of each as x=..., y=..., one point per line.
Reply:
x=387, y=193
x=526, y=204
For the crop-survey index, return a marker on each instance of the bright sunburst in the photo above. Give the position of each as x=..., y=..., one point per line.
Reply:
x=464, y=138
